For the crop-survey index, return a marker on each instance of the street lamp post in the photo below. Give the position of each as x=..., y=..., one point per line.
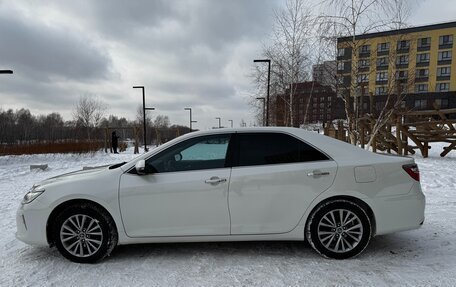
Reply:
x=264, y=105
x=144, y=113
x=220, y=122
x=231, y=121
x=191, y=121
x=269, y=80
x=6, y=71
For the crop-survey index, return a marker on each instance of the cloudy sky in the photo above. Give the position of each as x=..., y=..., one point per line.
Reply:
x=187, y=53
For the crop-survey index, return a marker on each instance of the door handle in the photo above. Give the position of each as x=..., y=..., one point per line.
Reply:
x=316, y=173
x=215, y=180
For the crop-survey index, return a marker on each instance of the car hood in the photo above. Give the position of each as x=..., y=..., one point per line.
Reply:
x=75, y=175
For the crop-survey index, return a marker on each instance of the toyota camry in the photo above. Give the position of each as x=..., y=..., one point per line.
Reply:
x=247, y=184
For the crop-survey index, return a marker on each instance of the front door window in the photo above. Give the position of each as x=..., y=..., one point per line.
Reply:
x=207, y=152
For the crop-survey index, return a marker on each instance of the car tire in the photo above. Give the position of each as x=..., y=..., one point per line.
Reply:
x=339, y=229
x=84, y=233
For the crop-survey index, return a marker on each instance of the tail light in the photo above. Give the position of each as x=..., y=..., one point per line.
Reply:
x=412, y=170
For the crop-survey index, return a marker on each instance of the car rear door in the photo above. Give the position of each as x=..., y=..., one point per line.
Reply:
x=274, y=179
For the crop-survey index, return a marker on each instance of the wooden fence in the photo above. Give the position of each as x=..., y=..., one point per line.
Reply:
x=404, y=132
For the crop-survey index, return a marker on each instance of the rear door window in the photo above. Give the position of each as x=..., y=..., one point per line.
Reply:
x=274, y=148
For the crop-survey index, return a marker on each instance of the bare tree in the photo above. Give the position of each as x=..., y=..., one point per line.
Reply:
x=397, y=86
x=88, y=112
x=161, y=121
x=289, y=54
x=353, y=18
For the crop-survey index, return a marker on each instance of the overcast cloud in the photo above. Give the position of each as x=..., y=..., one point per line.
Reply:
x=195, y=54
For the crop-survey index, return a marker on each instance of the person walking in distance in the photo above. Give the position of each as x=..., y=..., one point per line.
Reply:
x=114, y=141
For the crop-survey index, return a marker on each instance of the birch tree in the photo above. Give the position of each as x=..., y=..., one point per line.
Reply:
x=288, y=51
x=358, y=17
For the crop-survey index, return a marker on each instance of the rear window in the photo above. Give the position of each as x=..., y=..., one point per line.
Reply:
x=275, y=148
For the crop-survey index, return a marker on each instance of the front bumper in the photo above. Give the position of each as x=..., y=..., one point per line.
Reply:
x=31, y=225
x=399, y=213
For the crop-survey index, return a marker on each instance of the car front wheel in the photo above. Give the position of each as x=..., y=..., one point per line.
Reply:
x=339, y=229
x=84, y=233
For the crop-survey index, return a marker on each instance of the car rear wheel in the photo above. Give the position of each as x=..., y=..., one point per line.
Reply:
x=84, y=233
x=339, y=229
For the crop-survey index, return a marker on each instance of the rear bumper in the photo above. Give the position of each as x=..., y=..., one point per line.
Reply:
x=399, y=213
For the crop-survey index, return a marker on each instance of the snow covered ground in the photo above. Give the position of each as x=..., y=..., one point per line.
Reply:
x=423, y=257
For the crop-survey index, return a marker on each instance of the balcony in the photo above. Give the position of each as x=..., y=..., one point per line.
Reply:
x=446, y=45
x=424, y=48
x=421, y=79
x=402, y=50
x=443, y=78
x=422, y=64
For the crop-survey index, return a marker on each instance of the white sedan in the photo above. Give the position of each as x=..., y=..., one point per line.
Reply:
x=228, y=185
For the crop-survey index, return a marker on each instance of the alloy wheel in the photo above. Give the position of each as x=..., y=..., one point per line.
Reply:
x=340, y=230
x=81, y=235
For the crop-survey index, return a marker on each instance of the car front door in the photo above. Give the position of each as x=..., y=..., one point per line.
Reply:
x=184, y=191
x=274, y=179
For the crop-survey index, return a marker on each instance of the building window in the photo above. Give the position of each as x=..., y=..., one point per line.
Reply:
x=421, y=88
x=382, y=62
x=442, y=103
x=423, y=58
x=421, y=104
x=382, y=76
x=401, y=74
x=363, y=78
x=329, y=98
x=340, y=52
x=402, y=60
x=364, y=63
x=422, y=73
x=341, y=66
x=444, y=71
x=444, y=55
x=424, y=42
x=443, y=87
x=404, y=44
x=383, y=47
x=364, y=49
x=380, y=90
x=446, y=40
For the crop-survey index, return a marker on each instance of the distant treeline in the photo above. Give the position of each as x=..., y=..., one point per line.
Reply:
x=21, y=127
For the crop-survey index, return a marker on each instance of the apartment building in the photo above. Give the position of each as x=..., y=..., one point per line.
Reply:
x=416, y=63
x=312, y=103
x=324, y=73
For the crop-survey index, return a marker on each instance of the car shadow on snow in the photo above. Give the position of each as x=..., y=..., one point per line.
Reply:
x=390, y=245
x=386, y=246
x=214, y=249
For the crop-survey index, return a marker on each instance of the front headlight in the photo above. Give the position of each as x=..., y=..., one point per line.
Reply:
x=32, y=194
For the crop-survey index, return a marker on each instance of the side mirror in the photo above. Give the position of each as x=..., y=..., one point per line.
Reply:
x=178, y=157
x=140, y=167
